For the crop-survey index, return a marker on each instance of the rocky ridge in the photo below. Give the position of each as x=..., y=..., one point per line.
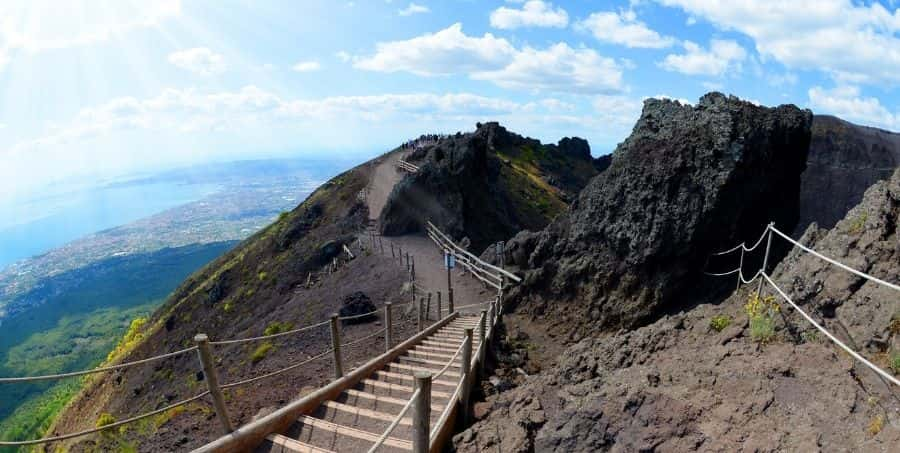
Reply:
x=688, y=181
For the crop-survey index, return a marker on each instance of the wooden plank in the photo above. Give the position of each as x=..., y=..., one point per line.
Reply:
x=354, y=433
x=362, y=412
x=385, y=399
x=404, y=366
x=437, y=363
x=409, y=377
x=444, y=344
x=435, y=349
x=433, y=355
x=287, y=445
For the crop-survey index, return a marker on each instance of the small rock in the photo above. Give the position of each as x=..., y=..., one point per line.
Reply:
x=480, y=410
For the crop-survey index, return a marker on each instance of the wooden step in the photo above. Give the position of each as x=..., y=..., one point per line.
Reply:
x=413, y=368
x=444, y=344
x=437, y=363
x=362, y=412
x=448, y=352
x=357, y=396
x=430, y=355
x=409, y=377
x=402, y=388
x=283, y=444
x=353, y=432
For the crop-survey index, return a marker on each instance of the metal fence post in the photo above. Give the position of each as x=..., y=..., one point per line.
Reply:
x=740, y=270
x=212, y=380
x=392, y=250
x=336, y=346
x=465, y=372
x=439, y=306
x=765, y=259
x=412, y=268
x=450, y=301
x=421, y=416
x=389, y=327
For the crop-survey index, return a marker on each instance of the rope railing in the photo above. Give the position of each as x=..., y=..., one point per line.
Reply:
x=396, y=421
x=104, y=427
x=450, y=361
x=267, y=337
x=276, y=373
x=96, y=370
x=764, y=277
x=367, y=337
x=468, y=254
x=831, y=337
x=362, y=315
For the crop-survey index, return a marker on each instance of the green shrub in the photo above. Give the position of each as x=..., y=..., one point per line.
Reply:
x=762, y=311
x=719, y=322
x=858, y=224
x=278, y=327
x=895, y=362
x=810, y=336
x=261, y=351
x=262, y=276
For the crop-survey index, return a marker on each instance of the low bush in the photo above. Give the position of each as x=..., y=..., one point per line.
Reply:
x=261, y=351
x=719, y=322
x=761, y=311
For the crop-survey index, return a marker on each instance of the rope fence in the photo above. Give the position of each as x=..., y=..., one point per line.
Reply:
x=96, y=370
x=276, y=373
x=764, y=277
x=396, y=421
x=267, y=337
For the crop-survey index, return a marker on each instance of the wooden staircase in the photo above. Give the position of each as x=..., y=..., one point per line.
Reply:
x=357, y=417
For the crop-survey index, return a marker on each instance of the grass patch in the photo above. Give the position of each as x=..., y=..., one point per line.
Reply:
x=261, y=351
x=278, y=327
x=858, y=223
x=875, y=425
x=894, y=362
x=719, y=322
x=762, y=311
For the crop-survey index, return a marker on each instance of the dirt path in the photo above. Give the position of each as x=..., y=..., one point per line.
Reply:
x=430, y=272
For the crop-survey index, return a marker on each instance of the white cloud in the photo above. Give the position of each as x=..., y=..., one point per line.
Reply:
x=446, y=52
x=199, y=60
x=723, y=56
x=848, y=103
x=344, y=56
x=624, y=29
x=307, y=66
x=413, y=8
x=558, y=68
x=534, y=13
x=851, y=41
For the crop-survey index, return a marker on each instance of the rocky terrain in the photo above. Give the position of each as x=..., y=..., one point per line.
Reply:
x=702, y=379
x=687, y=182
x=489, y=184
x=844, y=160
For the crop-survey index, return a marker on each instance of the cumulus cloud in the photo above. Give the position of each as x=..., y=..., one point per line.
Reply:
x=199, y=60
x=558, y=68
x=852, y=41
x=624, y=29
x=413, y=8
x=534, y=13
x=721, y=57
x=307, y=66
x=446, y=52
x=848, y=102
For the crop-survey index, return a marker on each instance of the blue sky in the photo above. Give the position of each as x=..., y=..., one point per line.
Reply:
x=98, y=89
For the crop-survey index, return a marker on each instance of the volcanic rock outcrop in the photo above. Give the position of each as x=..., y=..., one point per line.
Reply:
x=488, y=185
x=688, y=181
x=679, y=384
x=844, y=160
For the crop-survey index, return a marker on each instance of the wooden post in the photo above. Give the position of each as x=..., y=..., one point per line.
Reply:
x=407, y=261
x=428, y=309
x=392, y=250
x=421, y=311
x=449, y=282
x=450, y=301
x=389, y=327
x=400, y=254
x=412, y=268
x=381, y=244
x=308, y=280
x=212, y=380
x=482, y=333
x=493, y=309
x=439, y=306
x=465, y=375
x=421, y=415
x=336, y=346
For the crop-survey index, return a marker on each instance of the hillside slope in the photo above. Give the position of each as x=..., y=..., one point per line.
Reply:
x=845, y=159
x=489, y=184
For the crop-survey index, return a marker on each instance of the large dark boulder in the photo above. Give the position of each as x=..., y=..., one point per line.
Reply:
x=356, y=304
x=688, y=181
x=844, y=160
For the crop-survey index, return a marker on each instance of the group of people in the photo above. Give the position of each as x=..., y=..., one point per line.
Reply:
x=423, y=141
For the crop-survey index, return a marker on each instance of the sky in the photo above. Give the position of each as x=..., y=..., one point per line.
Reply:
x=93, y=90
